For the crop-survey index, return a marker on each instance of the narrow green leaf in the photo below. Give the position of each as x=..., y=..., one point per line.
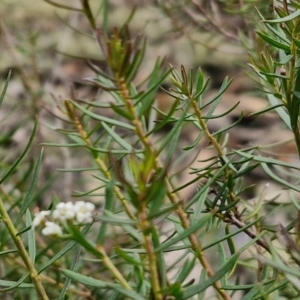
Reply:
x=203, y=277
x=274, y=42
x=255, y=294
x=102, y=118
x=16, y=163
x=73, y=266
x=278, y=179
x=229, y=240
x=23, y=230
x=64, y=145
x=222, y=260
x=246, y=170
x=297, y=42
x=120, y=111
x=110, y=87
x=181, y=256
x=6, y=137
x=241, y=287
x=266, y=272
x=137, y=60
x=293, y=280
x=290, y=17
x=160, y=260
x=278, y=32
x=266, y=160
x=186, y=269
x=230, y=263
x=140, y=276
x=116, y=137
x=216, y=99
x=274, y=75
x=86, y=243
x=128, y=19
x=198, y=288
x=199, y=206
x=167, y=118
x=265, y=110
x=122, y=254
x=279, y=265
x=171, y=138
x=63, y=6
x=222, y=194
x=200, y=81
x=163, y=212
x=295, y=201
x=156, y=196
x=280, y=110
x=108, y=206
x=90, y=281
x=185, y=233
x=198, y=96
x=289, y=26
x=137, y=251
x=86, y=9
x=208, y=184
x=257, y=208
x=195, y=143
x=191, y=82
x=8, y=252
x=230, y=126
x=284, y=60
x=227, y=161
x=29, y=194
x=105, y=15
x=90, y=192
x=5, y=87
x=82, y=170
x=110, y=218
x=210, y=224
x=11, y=285
x=228, y=236
x=62, y=252
x=295, y=103
x=31, y=237
x=105, y=150
x=221, y=115
x=146, y=99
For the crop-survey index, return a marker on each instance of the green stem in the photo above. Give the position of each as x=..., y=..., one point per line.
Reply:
x=196, y=245
x=292, y=86
x=297, y=139
x=33, y=273
x=217, y=146
x=109, y=264
x=145, y=226
x=101, y=164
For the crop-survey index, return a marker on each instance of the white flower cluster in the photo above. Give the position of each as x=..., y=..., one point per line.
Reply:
x=77, y=213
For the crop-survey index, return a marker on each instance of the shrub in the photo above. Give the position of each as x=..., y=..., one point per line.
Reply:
x=139, y=232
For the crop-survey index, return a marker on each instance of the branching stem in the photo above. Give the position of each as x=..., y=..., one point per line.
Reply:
x=33, y=273
x=196, y=245
x=101, y=164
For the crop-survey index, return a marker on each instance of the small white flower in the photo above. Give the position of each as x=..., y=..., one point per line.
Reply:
x=64, y=211
x=39, y=217
x=52, y=229
x=84, y=212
